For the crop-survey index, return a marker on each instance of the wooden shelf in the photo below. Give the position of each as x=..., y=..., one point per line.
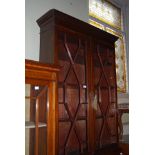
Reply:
x=67, y=103
x=104, y=87
x=103, y=117
x=79, y=118
x=100, y=117
x=31, y=98
x=29, y=125
x=72, y=86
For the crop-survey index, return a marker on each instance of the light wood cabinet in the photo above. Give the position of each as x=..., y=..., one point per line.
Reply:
x=40, y=108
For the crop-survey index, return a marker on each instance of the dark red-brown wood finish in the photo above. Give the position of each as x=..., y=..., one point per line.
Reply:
x=87, y=82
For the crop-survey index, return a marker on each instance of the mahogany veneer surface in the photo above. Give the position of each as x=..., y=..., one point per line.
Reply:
x=87, y=99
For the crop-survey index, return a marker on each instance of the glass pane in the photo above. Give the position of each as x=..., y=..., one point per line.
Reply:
x=27, y=102
x=120, y=65
x=32, y=94
x=106, y=12
x=30, y=141
x=72, y=90
x=35, y=109
x=98, y=132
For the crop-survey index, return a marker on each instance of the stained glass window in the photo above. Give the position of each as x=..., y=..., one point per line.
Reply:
x=120, y=65
x=102, y=12
x=106, y=12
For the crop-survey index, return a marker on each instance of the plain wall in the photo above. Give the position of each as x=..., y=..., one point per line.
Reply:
x=36, y=8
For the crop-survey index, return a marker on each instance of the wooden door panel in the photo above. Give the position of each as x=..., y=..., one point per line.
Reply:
x=105, y=87
x=72, y=90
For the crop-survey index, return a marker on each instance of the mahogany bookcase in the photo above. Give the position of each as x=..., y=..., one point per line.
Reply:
x=87, y=91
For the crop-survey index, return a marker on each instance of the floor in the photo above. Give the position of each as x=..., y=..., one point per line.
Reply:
x=122, y=149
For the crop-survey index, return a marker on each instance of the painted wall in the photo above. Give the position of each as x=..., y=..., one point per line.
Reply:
x=27, y=118
x=124, y=98
x=36, y=8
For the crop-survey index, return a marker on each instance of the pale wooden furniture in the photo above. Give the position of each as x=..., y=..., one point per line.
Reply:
x=41, y=108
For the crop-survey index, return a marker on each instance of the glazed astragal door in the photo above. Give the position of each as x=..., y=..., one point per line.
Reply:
x=72, y=92
x=105, y=93
x=36, y=119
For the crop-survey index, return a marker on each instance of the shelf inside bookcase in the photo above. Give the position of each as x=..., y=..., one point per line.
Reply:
x=30, y=124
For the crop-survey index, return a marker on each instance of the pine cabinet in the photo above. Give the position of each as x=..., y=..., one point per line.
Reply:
x=87, y=93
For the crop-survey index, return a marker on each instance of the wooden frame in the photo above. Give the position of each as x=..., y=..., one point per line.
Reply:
x=44, y=74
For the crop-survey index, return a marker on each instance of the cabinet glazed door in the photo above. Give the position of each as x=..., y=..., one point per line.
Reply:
x=72, y=93
x=40, y=108
x=105, y=95
x=36, y=119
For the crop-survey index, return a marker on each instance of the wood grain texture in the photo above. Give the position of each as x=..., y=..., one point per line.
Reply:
x=87, y=69
x=43, y=107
